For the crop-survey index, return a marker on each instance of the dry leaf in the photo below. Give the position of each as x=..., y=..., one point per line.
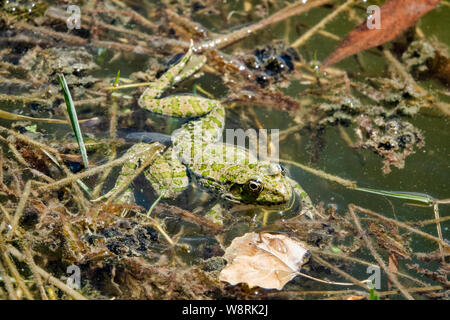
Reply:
x=264, y=260
x=395, y=17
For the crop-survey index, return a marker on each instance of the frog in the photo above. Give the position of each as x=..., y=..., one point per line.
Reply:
x=231, y=173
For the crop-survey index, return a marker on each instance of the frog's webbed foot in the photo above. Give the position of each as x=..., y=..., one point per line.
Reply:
x=172, y=106
x=307, y=207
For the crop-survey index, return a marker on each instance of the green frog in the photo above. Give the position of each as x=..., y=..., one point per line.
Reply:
x=198, y=155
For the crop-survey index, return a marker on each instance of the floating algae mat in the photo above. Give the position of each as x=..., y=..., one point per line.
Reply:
x=224, y=150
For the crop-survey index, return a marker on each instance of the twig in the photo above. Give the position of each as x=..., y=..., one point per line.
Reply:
x=342, y=273
x=134, y=15
x=48, y=277
x=189, y=216
x=1, y=166
x=366, y=263
x=12, y=268
x=20, y=207
x=412, y=290
x=54, y=34
x=305, y=37
x=36, y=275
x=130, y=179
x=402, y=225
x=7, y=281
x=5, y=213
x=289, y=294
x=230, y=38
x=403, y=73
x=439, y=231
x=112, y=135
x=6, y=98
x=381, y=263
x=430, y=221
x=154, y=147
x=28, y=140
x=346, y=183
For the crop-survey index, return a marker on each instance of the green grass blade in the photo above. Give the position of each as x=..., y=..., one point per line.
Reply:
x=116, y=81
x=73, y=119
x=412, y=196
x=149, y=212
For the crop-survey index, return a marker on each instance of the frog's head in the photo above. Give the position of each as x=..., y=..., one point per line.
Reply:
x=263, y=184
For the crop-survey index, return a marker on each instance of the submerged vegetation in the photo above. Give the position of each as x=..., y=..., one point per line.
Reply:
x=69, y=112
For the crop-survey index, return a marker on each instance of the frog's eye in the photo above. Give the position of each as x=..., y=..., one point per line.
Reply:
x=254, y=186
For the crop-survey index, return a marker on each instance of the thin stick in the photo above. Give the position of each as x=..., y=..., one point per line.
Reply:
x=381, y=263
x=325, y=281
x=8, y=284
x=159, y=227
x=112, y=135
x=5, y=213
x=51, y=33
x=346, y=183
x=24, y=99
x=12, y=116
x=189, y=216
x=403, y=73
x=367, y=263
x=36, y=275
x=439, y=231
x=130, y=179
x=412, y=290
x=305, y=37
x=154, y=147
x=430, y=221
x=132, y=14
x=308, y=293
x=28, y=140
x=17, y=155
x=48, y=277
x=20, y=207
x=1, y=166
x=291, y=10
x=401, y=224
x=342, y=273
x=12, y=268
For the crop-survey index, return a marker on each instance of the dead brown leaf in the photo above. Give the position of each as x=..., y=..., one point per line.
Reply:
x=263, y=259
x=395, y=15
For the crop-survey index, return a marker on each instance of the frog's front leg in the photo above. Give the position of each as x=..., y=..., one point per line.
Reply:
x=166, y=174
x=307, y=207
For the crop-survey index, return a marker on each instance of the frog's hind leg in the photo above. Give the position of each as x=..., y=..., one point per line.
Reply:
x=128, y=169
x=167, y=175
x=187, y=66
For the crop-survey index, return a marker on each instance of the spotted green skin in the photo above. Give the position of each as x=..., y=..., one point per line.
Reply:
x=222, y=169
